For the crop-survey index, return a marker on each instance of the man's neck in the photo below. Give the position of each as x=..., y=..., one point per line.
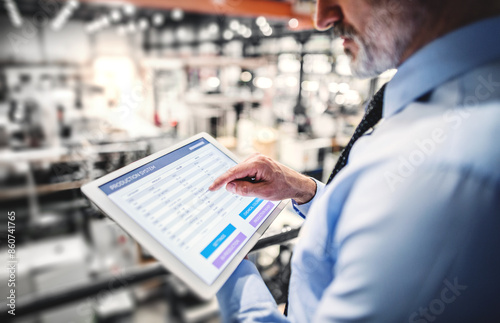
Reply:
x=447, y=16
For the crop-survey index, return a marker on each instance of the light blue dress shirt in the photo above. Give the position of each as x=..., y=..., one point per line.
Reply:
x=409, y=230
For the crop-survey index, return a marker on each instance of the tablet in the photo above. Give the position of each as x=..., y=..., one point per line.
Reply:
x=163, y=202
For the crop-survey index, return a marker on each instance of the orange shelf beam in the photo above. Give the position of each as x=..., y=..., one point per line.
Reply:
x=242, y=8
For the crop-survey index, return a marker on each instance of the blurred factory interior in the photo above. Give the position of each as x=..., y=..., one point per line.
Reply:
x=89, y=86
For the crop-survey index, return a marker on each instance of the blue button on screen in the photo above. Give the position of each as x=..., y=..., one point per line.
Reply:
x=209, y=250
x=250, y=208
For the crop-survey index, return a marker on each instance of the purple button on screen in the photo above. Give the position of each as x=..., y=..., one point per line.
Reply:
x=262, y=214
x=224, y=256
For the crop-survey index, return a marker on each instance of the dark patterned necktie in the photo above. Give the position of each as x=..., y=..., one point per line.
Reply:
x=372, y=117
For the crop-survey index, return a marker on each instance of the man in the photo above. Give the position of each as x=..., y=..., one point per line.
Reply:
x=408, y=230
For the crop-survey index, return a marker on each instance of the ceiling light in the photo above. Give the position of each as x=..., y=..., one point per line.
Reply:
x=268, y=32
x=129, y=9
x=242, y=29
x=246, y=76
x=158, y=19
x=95, y=26
x=340, y=99
x=183, y=34
x=213, y=82
x=13, y=12
x=311, y=86
x=261, y=21
x=143, y=24
x=213, y=28
x=293, y=23
x=265, y=28
x=105, y=21
x=115, y=15
x=234, y=25
x=247, y=33
x=177, y=14
x=73, y=4
x=263, y=82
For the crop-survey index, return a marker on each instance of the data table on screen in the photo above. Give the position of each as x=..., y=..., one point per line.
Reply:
x=172, y=202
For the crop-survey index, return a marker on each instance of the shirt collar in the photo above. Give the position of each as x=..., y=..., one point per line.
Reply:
x=441, y=60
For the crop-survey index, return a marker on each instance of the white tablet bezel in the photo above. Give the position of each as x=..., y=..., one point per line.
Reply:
x=170, y=261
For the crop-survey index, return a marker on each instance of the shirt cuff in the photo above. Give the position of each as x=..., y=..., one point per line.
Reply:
x=303, y=209
x=244, y=291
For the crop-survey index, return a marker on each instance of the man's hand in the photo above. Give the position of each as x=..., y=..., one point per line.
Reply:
x=273, y=181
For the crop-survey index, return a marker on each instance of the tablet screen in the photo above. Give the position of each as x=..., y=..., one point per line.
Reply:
x=169, y=198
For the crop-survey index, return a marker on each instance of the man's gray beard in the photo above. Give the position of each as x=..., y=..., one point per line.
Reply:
x=387, y=37
x=371, y=62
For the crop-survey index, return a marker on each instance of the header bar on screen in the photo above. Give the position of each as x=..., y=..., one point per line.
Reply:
x=198, y=145
x=151, y=167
